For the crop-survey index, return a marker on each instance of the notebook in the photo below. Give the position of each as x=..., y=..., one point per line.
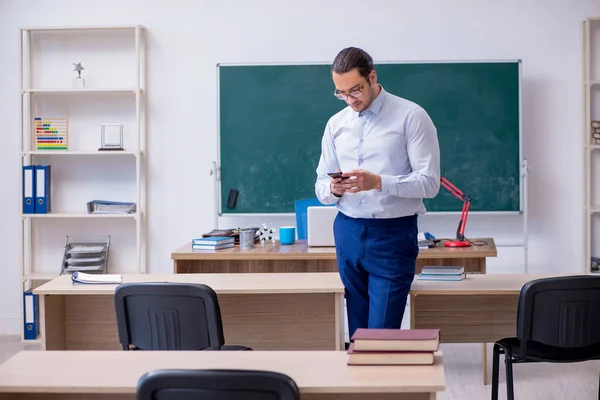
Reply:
x=80, y=277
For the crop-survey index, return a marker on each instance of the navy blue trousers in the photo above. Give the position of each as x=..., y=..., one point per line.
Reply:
x=376, y=259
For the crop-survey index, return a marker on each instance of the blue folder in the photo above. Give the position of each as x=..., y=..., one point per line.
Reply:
x=28, y=189
x=42, y=189
x=30, y=315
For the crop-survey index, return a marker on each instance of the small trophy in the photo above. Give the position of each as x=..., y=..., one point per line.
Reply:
x=112, y=137
x=79, y=82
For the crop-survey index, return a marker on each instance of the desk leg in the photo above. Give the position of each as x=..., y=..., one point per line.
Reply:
x=485, y=364
x=339, y=322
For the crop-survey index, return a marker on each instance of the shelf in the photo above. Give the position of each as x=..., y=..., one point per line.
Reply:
x=41, y=276
x=594, y=147
x=78, y=215
x=70, y=28
x=80, y=153
x=592, y=83
x=594, y=209
x=82, y=90
x=117, y=54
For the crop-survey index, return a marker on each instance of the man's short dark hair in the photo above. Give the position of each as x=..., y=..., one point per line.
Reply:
x=350, y=58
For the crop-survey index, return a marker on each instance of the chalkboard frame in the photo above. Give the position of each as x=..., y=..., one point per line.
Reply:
x=523, y=168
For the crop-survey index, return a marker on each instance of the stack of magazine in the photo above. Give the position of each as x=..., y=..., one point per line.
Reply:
x=442, y=273
x=110, y=207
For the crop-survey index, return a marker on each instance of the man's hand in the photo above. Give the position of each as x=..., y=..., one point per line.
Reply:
x=360, y=180
x=336, y=186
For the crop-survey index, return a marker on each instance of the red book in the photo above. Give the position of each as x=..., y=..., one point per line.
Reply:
x=396, y=339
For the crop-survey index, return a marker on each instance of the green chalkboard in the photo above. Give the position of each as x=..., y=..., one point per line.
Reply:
x=272, y=118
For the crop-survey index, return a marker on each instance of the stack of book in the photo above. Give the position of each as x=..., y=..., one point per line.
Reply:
x=393, y=346
x=441, y=273
x=213, y=243
x=234, y=233
x=426, y=240
x=595, y=132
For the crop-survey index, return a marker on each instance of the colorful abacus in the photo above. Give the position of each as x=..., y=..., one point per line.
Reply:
x=51, y=133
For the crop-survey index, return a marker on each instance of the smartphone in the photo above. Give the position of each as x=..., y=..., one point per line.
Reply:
x=337, y=175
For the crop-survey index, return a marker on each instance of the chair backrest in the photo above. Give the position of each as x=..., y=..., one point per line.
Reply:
x=300, y=207
x=560, y=311
x=168, y=316
x=216, y=385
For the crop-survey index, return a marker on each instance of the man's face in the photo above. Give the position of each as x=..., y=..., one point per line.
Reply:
x=355, y=89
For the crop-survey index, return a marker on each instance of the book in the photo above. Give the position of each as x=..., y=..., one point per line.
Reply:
x=440, y=277
x=234, y=233
x=212, y=247
x=442, y=269
x=213, y=240
x=356, y=357
x=80, y=277
x=366, y=339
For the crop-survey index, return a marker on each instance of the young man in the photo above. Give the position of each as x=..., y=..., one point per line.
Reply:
x=387, y=149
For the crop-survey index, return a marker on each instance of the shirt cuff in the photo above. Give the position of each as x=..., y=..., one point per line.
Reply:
x=334, y=197
x=388, y=184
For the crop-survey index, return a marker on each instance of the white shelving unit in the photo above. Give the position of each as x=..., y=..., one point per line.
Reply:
x=113, y=58
x=591, y=101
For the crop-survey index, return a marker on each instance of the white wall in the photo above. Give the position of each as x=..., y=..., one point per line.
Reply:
x=187, y=39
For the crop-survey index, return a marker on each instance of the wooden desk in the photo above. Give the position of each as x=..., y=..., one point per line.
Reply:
x=479, y=309
x=299, y=257
x=320, y=375
x=262, y=311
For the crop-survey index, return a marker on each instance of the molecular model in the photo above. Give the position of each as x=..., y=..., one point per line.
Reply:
x=266, y=233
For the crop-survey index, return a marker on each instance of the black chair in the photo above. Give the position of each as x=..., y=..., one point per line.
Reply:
x=558, y=320
x=169, y=316
x=216, y=385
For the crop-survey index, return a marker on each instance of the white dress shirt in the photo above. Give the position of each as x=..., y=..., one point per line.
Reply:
x=394, y=138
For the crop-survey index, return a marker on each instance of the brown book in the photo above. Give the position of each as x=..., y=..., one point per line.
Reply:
x=396, y=339
x=234, y=233
x=389, y=357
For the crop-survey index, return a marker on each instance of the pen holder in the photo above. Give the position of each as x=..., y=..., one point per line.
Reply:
x=247, y=238
x=287, y=234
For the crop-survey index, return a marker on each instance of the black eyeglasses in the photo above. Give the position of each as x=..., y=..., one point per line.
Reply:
x=355, y=93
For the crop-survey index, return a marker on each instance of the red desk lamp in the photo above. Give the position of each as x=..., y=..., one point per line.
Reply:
x=460, y=232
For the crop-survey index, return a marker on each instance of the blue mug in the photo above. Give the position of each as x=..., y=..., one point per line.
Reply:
x=287, y=234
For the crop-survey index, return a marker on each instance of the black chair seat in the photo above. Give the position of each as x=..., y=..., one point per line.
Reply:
x=540, y=352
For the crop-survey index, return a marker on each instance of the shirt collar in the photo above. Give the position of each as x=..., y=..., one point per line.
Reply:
x=376, y=105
